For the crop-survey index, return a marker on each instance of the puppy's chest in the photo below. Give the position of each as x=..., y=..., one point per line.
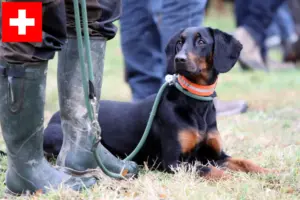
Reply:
x=191, y=138
x=193, y=135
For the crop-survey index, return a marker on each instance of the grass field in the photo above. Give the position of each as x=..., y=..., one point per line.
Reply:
x=269, y=134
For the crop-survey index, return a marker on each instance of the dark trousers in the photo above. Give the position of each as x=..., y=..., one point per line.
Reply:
x=294, y=6
x=256, y=16
x=58, y=24
x=146, y=27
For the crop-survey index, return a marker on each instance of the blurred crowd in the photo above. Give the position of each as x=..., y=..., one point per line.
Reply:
x=283, y=32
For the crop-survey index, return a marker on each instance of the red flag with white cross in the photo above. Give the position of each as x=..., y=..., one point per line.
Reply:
x=22, y=22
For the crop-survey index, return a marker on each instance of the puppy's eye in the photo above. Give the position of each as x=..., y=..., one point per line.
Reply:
x=179, y=45
x=199, y=41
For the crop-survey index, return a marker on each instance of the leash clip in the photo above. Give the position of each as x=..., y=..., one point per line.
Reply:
x=96, y=128
x=171, y=79
x=95, y=124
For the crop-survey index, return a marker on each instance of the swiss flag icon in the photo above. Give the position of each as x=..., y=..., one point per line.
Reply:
x=22, y=22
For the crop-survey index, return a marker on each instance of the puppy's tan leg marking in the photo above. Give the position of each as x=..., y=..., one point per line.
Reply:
x=214, y=141
x=238, y=164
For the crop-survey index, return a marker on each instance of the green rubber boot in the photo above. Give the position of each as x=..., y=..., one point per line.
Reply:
x=78, y=138
x=22, y=99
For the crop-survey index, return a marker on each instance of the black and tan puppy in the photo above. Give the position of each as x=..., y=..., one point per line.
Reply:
x=184, y=129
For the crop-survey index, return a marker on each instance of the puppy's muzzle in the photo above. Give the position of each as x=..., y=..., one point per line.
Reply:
x=181, y=62
x=184, y=66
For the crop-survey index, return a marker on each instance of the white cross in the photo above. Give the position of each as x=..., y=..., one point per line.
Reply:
x=21, y=22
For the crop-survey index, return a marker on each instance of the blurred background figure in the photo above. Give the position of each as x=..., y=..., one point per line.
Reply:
x=253, y=17
x=294, y=6
x=146, y=27
x=264, y=25
x=282, y=33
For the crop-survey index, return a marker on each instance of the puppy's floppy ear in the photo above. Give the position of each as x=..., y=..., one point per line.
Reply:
x=170, y=51
x=226, y=50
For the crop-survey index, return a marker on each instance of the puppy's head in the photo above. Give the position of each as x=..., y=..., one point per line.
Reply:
x=195, y=50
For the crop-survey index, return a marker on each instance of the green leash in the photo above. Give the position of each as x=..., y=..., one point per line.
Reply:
x=89, y=92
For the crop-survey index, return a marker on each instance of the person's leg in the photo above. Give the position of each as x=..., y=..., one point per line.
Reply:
x=141, y=47
x=273, y=38
x=294, y=7
x=23, y=70
x=253, y=17
x=78, y=137
x=286, y=23
x=288, y=32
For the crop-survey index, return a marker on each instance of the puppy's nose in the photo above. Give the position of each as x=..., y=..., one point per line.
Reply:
x=180, y=58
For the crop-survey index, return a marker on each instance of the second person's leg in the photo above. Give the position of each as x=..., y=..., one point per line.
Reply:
x=141, y=47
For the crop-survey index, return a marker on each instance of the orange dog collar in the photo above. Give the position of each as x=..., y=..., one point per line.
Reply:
x=200, y=90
